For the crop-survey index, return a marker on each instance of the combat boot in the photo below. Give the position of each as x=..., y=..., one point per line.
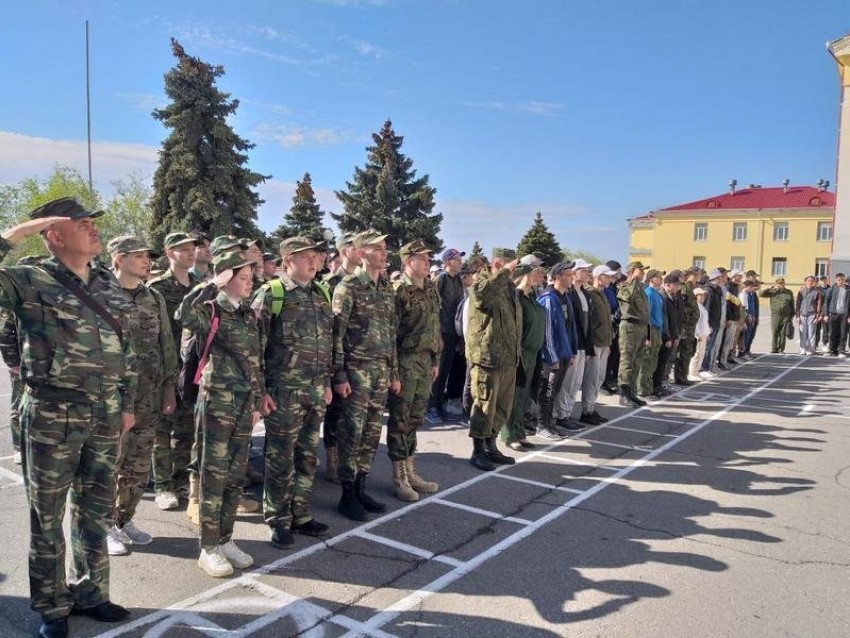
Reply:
x=479, y=458
x=494, y=455
x=417, y=482
x=349, y=505
x=634, y=397
x=626, y=397
x=332, y=465
x=193, y=507
x=369, y=503
x=403, y=490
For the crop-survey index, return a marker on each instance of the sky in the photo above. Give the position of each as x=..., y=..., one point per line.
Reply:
x=589, y=111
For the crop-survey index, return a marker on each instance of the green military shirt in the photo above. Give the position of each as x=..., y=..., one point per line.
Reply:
x=495, y=322
x=173, y=292
x=150, y=329
x=418, y=319
x=781, y=302
x=10, y=349
x=601, y=325
x=67, y=348
x=332, y=279
x=690, y=310
x=634, y=306
x=297, y=344
x=364, y=324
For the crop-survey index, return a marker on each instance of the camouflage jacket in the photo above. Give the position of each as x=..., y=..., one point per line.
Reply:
x=10, y=349
x=173, y=292
x=332, y=279
x=418, y=319
x=634, y=305
x=234, y=357
x=297, y=345
x=690, y=310
x=67, y=348
x=494, y=332
x=364, y=324
x=781, y=302
x=156, y=357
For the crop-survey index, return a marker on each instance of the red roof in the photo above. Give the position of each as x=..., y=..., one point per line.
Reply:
x=795, y=197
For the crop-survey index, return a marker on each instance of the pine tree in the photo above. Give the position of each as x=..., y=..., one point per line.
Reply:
x=387, y=195
x=305, y=218
x=476, y=251
x=540, y=241
x=202, y=181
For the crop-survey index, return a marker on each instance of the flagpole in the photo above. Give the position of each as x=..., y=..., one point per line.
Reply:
x=88, y=108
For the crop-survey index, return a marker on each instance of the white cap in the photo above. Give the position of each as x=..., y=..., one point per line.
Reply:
x=602, y=269
x=531, y=260
x=699, y=291
x=435, y=268
x=715, y=274
x=581, y=263
x=735, y=272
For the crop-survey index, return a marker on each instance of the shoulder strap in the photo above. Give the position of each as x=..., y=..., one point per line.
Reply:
x=207, y=345
x=277, y=290
x=326, y=291
x=88, y=300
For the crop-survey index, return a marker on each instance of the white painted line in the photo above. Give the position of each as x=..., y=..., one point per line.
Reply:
x=409, y=549
x=416, y=598
x=16, y=478
x=580, y=463
x=805, y=409
x=617, y=427
x=481, y=512
x=637, y=448
x=655, y=418
x=548, y=486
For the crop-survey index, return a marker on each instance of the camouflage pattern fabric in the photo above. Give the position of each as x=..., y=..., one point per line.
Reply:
x=359, y=433
x=634, y=310
x=10, y=350
x=297, y=350
x=333, y=412
x=80, y=377
x=648, y=362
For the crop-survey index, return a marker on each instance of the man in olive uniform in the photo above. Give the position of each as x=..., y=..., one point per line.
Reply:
x=782, y=308
x=156, y=366
x=10, y=350
x=418, y=340
x=634, y=332
x=296, y=336
x=689, y=319
x=364, y=364
x=333, y=413
x=78, y=368
x=172, y=447
x=493, y=342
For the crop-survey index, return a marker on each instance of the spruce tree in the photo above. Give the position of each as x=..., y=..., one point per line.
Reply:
x=476, y=251
x=202, y=181
x=387, y=195
x=305, y=218
x=540, y=241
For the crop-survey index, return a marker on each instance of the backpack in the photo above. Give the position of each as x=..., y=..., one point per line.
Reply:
x=275, y=287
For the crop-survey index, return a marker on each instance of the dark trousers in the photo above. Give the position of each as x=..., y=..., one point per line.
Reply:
x=612, y=368
x=707, y=362
x=750, y=335
x=548, y=387
x=837, y=333
x=438, y=390
x=662, y=371
x=822, y=333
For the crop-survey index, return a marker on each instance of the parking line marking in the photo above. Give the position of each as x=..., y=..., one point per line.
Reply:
x=579, y=463
x=548, y=486
x=482, y=512
x=637, y=448
x=16, y=478
x=655, y=418
x=409, y=549
x=617, y=427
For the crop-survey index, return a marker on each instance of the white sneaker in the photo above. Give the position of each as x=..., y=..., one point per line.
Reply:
x=114, y=544
x=16, y=457
x=166, y=501
x=235, y=556
x=132, y=535
x=695, y=377
x=213, y=562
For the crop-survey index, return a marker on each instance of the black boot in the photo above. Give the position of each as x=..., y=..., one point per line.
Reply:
x=634, y=397
x=626, y=397
x=366, y=501
x=349, y=505
x=494, y=455
x=479, y=458
x=56, y=628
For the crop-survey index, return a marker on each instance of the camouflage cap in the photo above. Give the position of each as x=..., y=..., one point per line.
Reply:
x=504, y=253
x=230, y=261
x=343, y=240
x=247, y=242
x=179, y=238
x=269, y=257
x=635, y=265
x=416, y=247
x=128, y=244
x=68, y=207
x=367, y=238
x=522, y=270
x=294, y=245
x=224, y=243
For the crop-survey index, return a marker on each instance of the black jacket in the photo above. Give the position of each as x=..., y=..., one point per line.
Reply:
x=830, y=301
x=672, y=317
x=712, y=305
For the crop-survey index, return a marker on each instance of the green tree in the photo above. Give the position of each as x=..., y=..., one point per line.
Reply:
x=305, y=218
x=570, y=255
x=128, y=211
x=540, y=241
x=476, y=251
x=387, y=195
x=202, y=181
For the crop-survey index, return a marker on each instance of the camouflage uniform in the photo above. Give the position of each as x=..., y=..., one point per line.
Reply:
x=230, y=390
x=79, y=378
x=333, y=413
x=172, y=447
x=11, y=352
x=634, y=331
x=419, y=345
x=364, y=355
x=687, y=342
x=297, y=346
x=156, y=367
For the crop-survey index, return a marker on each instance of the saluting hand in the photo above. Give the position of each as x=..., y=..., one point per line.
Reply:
x=29, y=228
x=222, y=278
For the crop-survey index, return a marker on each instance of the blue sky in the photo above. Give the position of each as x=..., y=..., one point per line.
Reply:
x=589, y=111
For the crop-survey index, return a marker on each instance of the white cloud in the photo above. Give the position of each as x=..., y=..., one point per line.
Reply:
x=295, y=135
x=364, y=47
x=146, y=102
x=203, y=36
x=544, y=109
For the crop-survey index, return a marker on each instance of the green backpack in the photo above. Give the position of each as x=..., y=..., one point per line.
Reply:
x=277, y=290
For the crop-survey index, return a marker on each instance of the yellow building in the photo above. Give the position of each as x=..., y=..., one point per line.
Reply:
x=778, y=232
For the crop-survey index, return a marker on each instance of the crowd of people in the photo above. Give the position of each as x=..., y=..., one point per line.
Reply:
x=120, y=371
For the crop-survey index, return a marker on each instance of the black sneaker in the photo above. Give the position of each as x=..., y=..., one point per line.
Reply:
x=599, y=418
x=282, y=538
x=312, y=528
x=56, y=628
x=588, y=419
x=104, y=612
x=574, y=426
x=723, y=367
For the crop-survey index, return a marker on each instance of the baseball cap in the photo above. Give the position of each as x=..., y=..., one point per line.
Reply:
x=226, y=242
x=504, y=253
x=125, y=244
x=635, y=265
x=435, y=268
x=673, y=277
x=343, y=240
x=415, y=247
x=560, y=267
x=652, y=274
x=367, y=238
x=735, y=272
x=522, y=270
x=613, y=265
x=452, y=253
x=178, y=239
x=699, y=291
x=230, y=261
x=68, y=207
x=604, y=269
x=247, y=242
x=581, y=263
x=531, y=260
x=780, y=280
x=715, y=274
x=294, y=245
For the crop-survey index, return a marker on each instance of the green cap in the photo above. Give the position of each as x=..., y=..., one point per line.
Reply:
x=176, y=239
x=224, y=243
x=294, y=245
x=269, y=257
x=128, y=244
x=230, y=261
x=416, y=247
x=367, y=238
x=634, y=266
x=247, y=242
x=522, y=270
x=504, y=253
x=343, y=240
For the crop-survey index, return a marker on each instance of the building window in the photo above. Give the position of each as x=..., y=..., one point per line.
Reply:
x=737, y=263
x=824, y=231
x=699, y=262
x=779, y=267
x=821, y=267
x=739, y=231
x=780, y=231
x=700, y=232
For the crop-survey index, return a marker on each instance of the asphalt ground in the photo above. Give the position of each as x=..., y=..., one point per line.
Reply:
x=720, y=511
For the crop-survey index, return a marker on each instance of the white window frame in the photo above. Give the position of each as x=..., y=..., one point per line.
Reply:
x=700, y=231
x=738, y=262
x=780, y=226
x=821, y=268
x=739, y=226
x=777, y=261
x=824, y=231
x=699, y=262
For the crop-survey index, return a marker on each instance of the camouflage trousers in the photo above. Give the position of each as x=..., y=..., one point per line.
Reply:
x=292, y=438
x=649, y=362
x=359, y=432
x=687, y=348
x=492, y=400
x=134, y=454
x=226, y=424
x=333, y=415
x=172, y=448
x=69, y=447
x=14, y=410
x=407, y=410
x=632, y=347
